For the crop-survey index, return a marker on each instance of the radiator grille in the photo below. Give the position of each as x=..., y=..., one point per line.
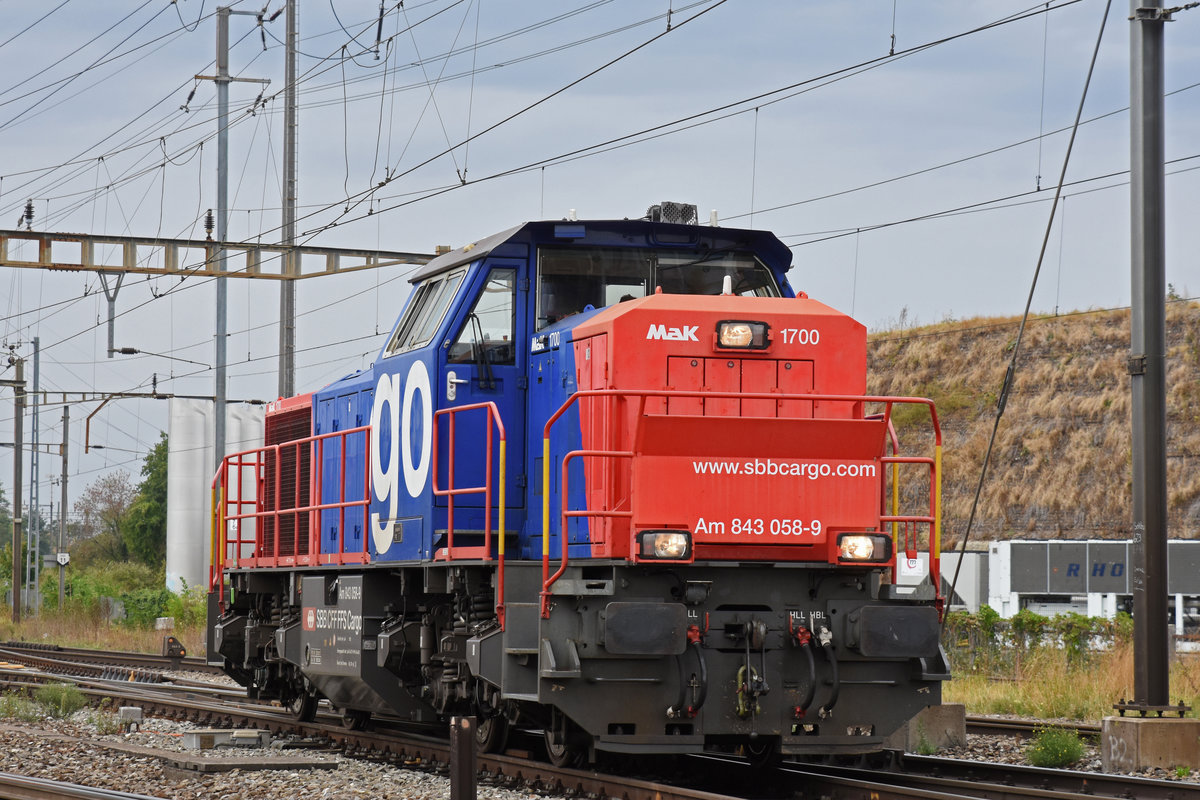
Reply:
x=293, y=481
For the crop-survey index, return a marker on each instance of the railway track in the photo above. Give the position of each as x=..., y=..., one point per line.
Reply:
x=696, y=778
x=927, y=776
x=147, y=661
x=1025, y=728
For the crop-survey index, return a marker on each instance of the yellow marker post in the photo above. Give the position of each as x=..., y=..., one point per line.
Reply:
x=895, y=506
x=546, y=498
x=503, y=469
x=937, y=498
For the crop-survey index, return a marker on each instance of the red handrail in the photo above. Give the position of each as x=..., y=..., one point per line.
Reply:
x=257, y=459
x=547, y=579
x=451, y=491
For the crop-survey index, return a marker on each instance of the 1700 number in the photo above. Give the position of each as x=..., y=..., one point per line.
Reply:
x=800, y=335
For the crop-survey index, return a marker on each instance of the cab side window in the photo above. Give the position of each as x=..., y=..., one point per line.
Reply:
x=489, y=331
x=425, y=312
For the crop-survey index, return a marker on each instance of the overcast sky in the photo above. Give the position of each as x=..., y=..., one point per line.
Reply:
x=907, y=185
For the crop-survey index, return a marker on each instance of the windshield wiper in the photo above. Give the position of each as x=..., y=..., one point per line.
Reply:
x=480, y=353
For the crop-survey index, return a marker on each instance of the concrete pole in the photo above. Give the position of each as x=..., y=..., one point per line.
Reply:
x=291, y=265
x=33, y=530
x=1147, y=355
x=18, y=453
x=62, y=512
x=222, y=224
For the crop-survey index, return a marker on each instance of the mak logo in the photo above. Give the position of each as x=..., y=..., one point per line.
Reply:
x=687, y=333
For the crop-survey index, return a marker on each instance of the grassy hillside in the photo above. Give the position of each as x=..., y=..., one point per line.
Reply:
x=1060, y=468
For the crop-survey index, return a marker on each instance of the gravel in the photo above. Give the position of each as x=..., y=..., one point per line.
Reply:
x=74, y=750
x=1011, y=750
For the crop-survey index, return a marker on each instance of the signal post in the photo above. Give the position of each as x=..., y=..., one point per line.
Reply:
x=1153, y=738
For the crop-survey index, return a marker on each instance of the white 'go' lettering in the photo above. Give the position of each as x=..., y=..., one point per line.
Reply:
x=385, y=477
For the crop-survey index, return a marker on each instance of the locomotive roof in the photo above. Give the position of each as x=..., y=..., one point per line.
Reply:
x=538, y=230
x=465, y=254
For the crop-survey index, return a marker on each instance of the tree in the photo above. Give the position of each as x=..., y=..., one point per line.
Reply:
x=5, y=515
x=103, y=508
x=5, y=540
x=145, y=529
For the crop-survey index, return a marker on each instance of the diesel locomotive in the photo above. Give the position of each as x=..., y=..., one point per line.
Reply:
x=617, y=482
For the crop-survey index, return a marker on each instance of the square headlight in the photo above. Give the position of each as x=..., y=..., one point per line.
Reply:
x=665, y=545
x=740, y=334
x=865, y=548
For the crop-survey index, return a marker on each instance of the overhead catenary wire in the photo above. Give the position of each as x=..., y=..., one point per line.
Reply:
x=984, y=205
x=997, y=203
x=1056, y=7
x=546, y=98
x=62, y=84
x=33, y=25
x=205, y=123
x=761, y=98
x=561, y=17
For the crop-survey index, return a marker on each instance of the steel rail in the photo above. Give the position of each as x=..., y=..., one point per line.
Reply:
x=1025, y=728
x=28, y=680
x=77, y=669
x=124, y=658
x=950, y=777
x=21, y=787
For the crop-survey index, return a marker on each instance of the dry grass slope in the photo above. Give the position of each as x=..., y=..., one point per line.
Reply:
x=1060, y=468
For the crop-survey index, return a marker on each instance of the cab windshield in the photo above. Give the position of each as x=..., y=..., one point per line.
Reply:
x=571, y=279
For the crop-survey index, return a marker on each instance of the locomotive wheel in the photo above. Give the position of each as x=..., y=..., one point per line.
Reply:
x=570, y=753
x=491, y=734
x=355, y=719
x=304, y=706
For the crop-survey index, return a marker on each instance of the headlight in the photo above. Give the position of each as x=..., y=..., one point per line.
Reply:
x=872, y=548
x=742, y=335
x=667, y=545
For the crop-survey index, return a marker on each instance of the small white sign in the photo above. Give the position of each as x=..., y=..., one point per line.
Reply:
x=63, y=558
x=910, y=567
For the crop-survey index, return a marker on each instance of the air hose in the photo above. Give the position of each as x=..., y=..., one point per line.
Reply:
x=681, y=708
x=831, y=657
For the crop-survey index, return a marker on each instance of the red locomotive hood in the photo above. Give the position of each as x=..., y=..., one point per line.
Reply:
x=643, y=332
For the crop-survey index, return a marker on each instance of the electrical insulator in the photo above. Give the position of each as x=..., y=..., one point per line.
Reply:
x=29, y=215
x=208, y=224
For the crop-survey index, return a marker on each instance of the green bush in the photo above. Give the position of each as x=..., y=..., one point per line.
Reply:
x=140, y=588
x=19, y=707
x=189, y=607
x=1054, y=747
x=143, y=605
x=1075, y=632
x=1028, y=628
x=107, y=723
x=989, y=620
x=985, y=643
x=924, y=746
x=60, y=699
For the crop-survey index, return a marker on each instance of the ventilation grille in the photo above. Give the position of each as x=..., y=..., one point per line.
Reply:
x=293, y=477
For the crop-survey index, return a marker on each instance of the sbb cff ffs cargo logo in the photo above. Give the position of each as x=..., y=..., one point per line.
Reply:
x=686, y=333
x=310, y=619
